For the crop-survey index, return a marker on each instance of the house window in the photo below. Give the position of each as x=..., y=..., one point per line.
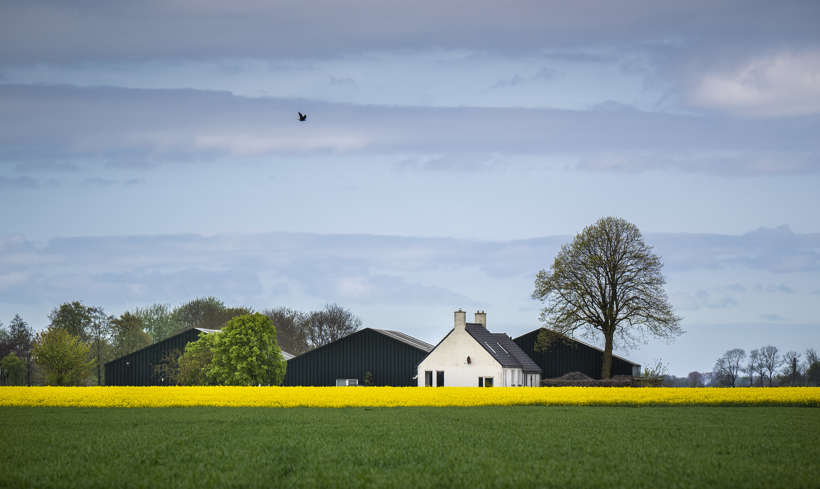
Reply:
x=428, y=378
x=439, y=378
x=346, y=382
x=488, y=381
x=481, y=381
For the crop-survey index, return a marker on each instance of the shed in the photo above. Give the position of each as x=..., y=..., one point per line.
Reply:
x=137, y=368
x=390, y=357
x=576, y=356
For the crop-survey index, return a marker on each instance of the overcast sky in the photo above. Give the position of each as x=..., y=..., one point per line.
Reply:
x=150, y=152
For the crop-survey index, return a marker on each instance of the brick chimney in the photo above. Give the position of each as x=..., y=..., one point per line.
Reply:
x=461, y=320
x=481, y=318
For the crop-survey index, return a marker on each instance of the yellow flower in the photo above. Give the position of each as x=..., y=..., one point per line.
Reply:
x=334, y=397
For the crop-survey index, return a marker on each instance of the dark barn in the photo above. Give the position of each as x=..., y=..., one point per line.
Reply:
x=563, y=358
x=390, y=357
x=137, y=368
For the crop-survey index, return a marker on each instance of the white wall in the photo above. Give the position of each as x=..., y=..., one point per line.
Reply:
x=451, y=357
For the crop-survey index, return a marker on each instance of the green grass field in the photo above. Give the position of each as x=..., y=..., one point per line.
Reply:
x=410, y=447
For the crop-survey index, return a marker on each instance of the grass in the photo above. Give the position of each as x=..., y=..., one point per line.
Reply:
x=525, y=446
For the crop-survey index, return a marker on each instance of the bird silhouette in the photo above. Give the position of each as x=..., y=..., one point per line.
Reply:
x=302, y=117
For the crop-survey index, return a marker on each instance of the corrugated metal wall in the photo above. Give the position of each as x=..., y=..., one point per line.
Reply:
x=562, y=358
x=389, y=361
x=138, y=368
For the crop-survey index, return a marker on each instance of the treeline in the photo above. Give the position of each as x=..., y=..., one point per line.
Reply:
x=762, y=367
x=89, y=337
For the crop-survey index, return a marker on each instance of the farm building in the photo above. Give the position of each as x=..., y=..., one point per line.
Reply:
x=137, y=368
x=471, y=356
x=389, y=356
x=563, y=357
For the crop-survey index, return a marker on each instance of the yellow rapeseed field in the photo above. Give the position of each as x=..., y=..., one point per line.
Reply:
x=336, y=397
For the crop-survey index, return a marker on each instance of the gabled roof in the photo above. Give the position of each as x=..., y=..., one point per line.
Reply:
x=536, y=331
x=502, y=348
x=407, y=339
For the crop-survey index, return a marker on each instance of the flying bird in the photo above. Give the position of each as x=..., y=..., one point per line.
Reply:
x=302, y=117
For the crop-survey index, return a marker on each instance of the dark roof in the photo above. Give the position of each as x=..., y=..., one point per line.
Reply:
x=502, y=348
x=414, y=342
x=585, y=344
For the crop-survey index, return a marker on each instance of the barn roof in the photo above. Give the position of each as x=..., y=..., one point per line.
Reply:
x=502, y=348
x=414, y=342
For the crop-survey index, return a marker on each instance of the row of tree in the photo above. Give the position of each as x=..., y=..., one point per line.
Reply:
x=767, y=363
x=108, y=337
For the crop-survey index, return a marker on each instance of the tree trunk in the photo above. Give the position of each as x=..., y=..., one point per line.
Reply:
x=607, y=366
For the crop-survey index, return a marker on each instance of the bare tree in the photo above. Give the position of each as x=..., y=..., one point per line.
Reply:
x=22, y=339
x=811, y=357
x=291, y=329
x=753, y=366
x=330, y=324
x=770, y=361
x=607, y=281
x=729, y=365
x=793, y=369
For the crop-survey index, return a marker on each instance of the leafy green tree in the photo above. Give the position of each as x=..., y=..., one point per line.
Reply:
x=206, y=313
x=607, y=282
x=158, y=321
x=246, y=353
x=128, y=334
x=291, y=329
x=194, y=365
x=72, y=317
x=63, y=356
x=13, y=369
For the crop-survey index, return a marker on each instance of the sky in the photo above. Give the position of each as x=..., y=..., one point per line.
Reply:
x=151, y=152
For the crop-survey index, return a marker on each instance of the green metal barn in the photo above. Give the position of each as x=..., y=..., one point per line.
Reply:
x=390, y=357
x=137, y=368
x=562, y=358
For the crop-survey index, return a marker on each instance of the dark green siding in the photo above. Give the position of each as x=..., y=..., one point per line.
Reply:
x=138, y=368
x=390, y=361
x=562, y=358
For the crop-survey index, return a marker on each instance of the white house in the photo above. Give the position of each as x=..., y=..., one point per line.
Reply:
x=471, y=356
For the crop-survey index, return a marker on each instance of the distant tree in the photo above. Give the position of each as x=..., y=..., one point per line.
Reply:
x=792, y=371
x=168, y=367
x=770, y=361
x=13, y=370
x=291, y=329
x=694, y=379
x=99, y=335
x=730, y=365
x=22, y=338
x=128, y=334
x=207, y=313
x=330, y=324
x=753, y=366
x=813, y=374
x=608, y=282
x=246, y=353
x=72, y=317
x=811, y=356
x=63, y=356
x=158, y=321
x=194, y=365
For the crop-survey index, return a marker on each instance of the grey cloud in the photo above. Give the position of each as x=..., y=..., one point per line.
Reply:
x=777, y=250
x=754, y=164
x=341, y=81
x=704, y=298
x=102, y=182
x=33, y=166
x=17, y=182
x=772, y=317
x=259, y=29
x=65, y=122
x=737, y=288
